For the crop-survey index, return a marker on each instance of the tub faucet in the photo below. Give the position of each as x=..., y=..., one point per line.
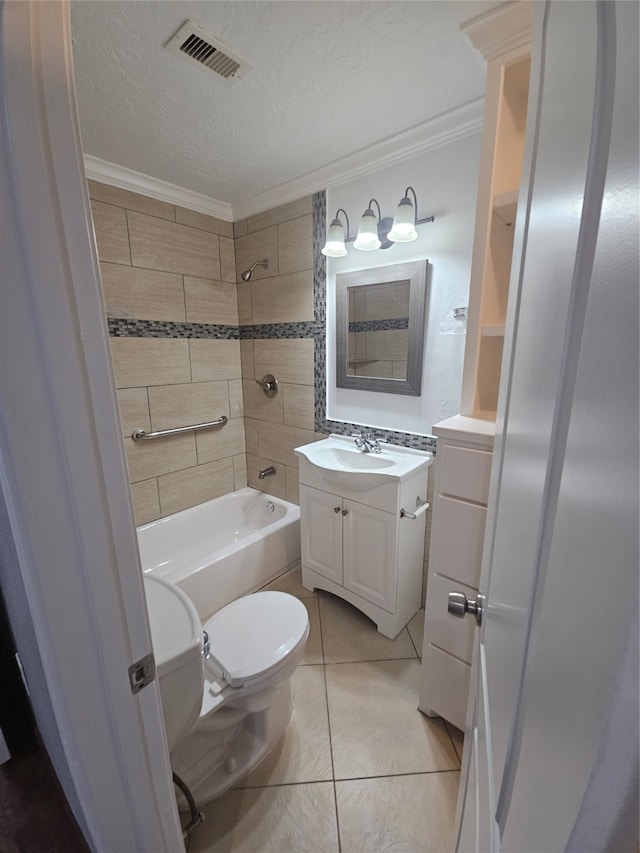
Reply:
x=266, y=472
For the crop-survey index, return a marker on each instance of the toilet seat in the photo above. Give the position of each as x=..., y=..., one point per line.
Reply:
x=252, y=638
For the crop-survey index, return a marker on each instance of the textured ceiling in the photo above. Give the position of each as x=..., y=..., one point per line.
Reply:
x=328, y=79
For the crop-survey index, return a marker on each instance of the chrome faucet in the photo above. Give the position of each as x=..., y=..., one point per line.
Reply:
x=266, y=472
x=366, y=442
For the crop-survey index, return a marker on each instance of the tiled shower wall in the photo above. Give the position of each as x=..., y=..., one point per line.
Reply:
x=273, y=309
x=168, y=277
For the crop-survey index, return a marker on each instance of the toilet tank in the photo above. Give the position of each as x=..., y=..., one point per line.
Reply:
x=177, y=638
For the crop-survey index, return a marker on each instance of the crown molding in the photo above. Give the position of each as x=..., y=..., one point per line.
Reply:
x=442, y=130
x=501, y=30
x=127, y=179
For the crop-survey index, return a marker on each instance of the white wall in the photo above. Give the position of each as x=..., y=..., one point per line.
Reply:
x=445, y=180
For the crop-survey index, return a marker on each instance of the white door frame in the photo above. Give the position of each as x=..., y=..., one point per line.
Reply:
x=70, y=570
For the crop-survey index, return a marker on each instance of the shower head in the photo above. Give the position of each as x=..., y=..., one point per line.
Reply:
x=246, y=275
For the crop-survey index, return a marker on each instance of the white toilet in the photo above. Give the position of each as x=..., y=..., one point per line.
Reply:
x=225, y=687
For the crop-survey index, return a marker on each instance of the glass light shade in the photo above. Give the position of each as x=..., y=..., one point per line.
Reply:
x=404, y=223
x=334, y=247
x=367, y=239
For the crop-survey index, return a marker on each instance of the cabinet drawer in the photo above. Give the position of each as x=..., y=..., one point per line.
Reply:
x=464, y=473
x=445, y=686
x=449, y=633
x=456, y=540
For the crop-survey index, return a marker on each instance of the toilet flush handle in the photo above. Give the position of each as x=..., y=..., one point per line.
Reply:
x=206, y=645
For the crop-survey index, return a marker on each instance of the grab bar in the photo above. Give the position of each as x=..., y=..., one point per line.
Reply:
x=141, y=435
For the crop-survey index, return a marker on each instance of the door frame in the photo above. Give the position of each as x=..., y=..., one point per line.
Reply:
x=70, y=569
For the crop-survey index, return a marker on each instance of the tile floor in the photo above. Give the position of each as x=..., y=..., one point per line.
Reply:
x=359, y=769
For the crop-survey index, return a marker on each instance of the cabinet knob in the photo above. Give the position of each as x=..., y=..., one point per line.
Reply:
x=336, y=509
x=345, y=512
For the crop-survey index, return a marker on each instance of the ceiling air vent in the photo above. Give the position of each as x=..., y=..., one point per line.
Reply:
x=192, y=42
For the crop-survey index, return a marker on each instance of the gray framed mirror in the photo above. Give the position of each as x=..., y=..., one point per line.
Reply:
x=380, y=328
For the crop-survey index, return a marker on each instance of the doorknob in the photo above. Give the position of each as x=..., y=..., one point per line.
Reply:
x=459, y=604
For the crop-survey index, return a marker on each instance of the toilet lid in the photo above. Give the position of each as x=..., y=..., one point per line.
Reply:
x=252, y=637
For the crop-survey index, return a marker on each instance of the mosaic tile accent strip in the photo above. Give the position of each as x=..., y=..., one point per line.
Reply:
x=379, y=325
x=307, y=329
x=167, y=329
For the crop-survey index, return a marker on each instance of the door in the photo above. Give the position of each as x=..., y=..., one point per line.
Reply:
x=549, y=761
x=370, y=553
x=321, y=532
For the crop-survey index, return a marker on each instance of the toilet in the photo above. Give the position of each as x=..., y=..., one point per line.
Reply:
x=225, y=686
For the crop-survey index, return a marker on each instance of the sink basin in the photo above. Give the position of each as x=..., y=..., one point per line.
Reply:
x=338, y=462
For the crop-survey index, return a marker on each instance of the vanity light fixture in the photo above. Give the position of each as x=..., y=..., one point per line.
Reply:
x=375, y=232
x=406, y=219
x=336, y=237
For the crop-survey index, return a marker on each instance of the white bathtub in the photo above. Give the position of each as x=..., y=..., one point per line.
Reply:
x=224, y=548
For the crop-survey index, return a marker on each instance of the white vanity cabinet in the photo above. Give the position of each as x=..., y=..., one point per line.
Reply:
x=360, y=545
x=463, y=468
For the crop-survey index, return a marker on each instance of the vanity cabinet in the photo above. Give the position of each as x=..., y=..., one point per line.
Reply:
x=351, y=544
x=359, y=543
x=463, y=467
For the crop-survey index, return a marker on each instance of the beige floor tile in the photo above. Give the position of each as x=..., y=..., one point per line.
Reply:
x=291, y=582
x=349, y=635
x=416, y=630
x=303, y=754
x=457, y=737
x=406, y=814
x=313, y=651
x=288, y=819
x=376, y=729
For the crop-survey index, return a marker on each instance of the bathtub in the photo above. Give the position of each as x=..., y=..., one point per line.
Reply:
x=224, y=548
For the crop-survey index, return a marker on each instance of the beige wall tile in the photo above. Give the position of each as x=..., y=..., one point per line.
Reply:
x=221, y=443
x=110, y=225
x=132, y=201
x=246, y=358
x=141, y=294
x=292, y=210
x=245, y=311
x=320, y=436
x=236, y=400
x=275, y=485
x=258, y=405
x=227, y=259
x=298, y=405
x=240, y=228
x=183, y=489
x=293, y=485
x=214, y=359
x=147, y=459
x=276, y=441
x=295, y=245
x=240, y=471
x=150, y=361
x=134, y=410
x=157, y=244
x=146, y=503
x=390, y=345
x=255, y=247
x=203, y=221
x=251, y=435
x=284, y=299
x=192, y=403
x=209, y=301
x=288, y=360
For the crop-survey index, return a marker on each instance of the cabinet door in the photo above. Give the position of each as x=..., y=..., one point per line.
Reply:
x=369, y=549
x=321, y=532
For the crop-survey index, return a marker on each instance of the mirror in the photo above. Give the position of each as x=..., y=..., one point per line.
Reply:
x=380, y=328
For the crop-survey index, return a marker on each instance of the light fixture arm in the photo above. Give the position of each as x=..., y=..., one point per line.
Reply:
x=347, y=239
x=415, y=203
